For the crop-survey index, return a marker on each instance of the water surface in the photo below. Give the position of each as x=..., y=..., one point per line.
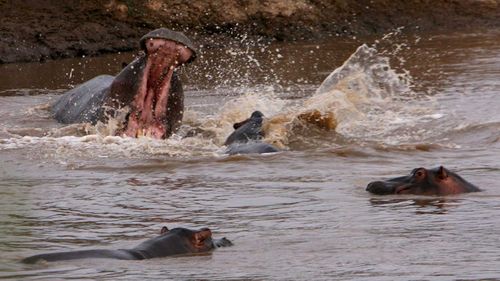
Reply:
x=401, y=102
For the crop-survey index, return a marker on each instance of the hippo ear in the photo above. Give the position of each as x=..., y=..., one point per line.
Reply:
x=442, y=174
x=164, y=230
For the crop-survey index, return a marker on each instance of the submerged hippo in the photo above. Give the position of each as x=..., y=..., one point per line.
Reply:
x=170, y=242
x=421, y=181
x=247, y=137
x=148, y=89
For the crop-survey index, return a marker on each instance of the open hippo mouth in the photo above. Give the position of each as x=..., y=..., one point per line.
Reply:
x=150, y=107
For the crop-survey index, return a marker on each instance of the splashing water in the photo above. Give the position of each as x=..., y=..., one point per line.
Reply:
x=364, y=100
x=371, y=101
x=240, y=109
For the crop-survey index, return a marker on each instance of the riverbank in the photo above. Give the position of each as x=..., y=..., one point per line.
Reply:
x=41, y=30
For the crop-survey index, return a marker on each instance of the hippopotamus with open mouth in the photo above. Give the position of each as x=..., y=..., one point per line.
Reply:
x=170, y=242
x=148, y=88
x=247, y=137
x=421, y=181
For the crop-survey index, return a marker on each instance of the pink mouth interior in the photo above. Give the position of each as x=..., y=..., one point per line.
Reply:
x=148, y=114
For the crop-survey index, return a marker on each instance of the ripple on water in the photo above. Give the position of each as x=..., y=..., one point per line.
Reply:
x=301, y=214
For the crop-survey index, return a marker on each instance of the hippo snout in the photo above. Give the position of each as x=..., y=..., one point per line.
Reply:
x=380, y=188
x=223, y=242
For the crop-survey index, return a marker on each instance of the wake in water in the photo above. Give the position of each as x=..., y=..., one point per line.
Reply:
x=362, y=101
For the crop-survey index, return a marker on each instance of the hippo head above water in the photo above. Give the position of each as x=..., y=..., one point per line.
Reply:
x=421, y=181
x=247, y=130
x=148, y=88
x=247, y=137
x=177, y=241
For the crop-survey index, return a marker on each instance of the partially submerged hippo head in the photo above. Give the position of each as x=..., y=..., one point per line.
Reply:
x=184, y=240
x=256, y=116
x=197, y=240
x=247, y=130
x=247, y=136
x=421, y=181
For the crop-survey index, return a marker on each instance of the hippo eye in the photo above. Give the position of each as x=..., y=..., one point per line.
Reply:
x=419, y=173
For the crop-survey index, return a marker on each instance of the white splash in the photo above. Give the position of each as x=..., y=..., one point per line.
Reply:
x=362, y=100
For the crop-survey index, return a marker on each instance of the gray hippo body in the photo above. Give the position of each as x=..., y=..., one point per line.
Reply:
x=170, y=242
x=250, y=147
x=83, y=103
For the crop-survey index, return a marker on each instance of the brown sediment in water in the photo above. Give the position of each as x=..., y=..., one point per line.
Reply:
x=280, y=128
x=325, y=121
x=40, y=30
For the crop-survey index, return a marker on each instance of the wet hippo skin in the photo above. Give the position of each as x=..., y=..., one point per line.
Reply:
x=247, y=137
x=247, y=130
x=148, y=90
x=421, y=181
x=170, y=242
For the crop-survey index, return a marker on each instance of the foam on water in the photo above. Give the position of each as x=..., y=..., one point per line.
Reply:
x=96, y=146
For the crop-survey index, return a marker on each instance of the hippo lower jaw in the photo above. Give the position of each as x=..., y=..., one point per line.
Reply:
x=148, y=115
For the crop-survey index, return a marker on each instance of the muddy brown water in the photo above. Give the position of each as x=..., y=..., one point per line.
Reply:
x=301, y=214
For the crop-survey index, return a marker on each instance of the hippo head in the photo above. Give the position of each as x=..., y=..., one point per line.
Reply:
x=421, y=181
x=247, y=130
x=152, y=108
x=256, y=116
x=197, y=240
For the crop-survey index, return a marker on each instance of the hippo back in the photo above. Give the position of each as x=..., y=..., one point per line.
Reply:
x=250, y=147
x=85, y=254
x=83, y=103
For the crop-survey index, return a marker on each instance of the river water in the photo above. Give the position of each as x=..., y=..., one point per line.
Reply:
x=399, y=102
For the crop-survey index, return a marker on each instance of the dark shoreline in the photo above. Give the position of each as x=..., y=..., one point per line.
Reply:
x=33, y=31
